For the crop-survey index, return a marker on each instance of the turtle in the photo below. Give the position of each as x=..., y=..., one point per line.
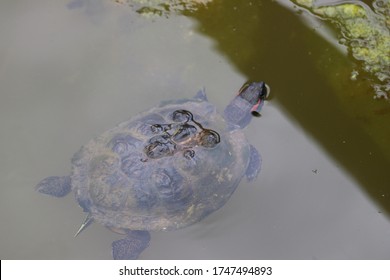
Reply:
x=164, y=169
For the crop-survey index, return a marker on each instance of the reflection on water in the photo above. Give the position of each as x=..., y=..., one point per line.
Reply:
x=319, y=158
x=326, y=102
x=365, y=32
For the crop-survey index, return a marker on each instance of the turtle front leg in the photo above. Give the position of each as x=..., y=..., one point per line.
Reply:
x=57, y=186
x=254, y=165
x=130, y=247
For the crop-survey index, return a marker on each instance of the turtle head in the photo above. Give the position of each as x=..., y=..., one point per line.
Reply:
x=246, y=104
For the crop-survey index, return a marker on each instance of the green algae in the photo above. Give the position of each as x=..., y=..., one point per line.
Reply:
x=151, y=8
x=365, y=32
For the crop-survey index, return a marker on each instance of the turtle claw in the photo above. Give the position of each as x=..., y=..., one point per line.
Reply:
x=57, y=186
x=130, y=247
x=88, y=220
x=254, y=165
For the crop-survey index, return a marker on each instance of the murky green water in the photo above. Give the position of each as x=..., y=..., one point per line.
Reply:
x=67, y=73
x=311, y=80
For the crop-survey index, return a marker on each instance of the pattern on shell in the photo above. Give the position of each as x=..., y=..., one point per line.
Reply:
x=154, y=172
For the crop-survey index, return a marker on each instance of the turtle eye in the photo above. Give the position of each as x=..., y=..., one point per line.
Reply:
x=209, y=138
x=182, y=116
x=265, y=92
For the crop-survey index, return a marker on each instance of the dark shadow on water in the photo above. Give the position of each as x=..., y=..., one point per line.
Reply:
x=265, y=41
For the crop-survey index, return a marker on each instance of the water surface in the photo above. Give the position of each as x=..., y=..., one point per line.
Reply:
x=68, y=73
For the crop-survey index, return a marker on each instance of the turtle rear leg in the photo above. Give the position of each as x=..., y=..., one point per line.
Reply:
x=57, y=186
x=254, y=165
x=130, y=247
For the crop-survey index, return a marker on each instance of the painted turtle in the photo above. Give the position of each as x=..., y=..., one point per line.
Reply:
x=164, y=169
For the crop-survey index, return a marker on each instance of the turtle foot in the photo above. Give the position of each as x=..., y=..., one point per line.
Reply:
x=254, y=165
x=55, y=186
x=131, y=247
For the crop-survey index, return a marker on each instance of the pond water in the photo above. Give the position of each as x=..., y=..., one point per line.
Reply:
x=70, y=72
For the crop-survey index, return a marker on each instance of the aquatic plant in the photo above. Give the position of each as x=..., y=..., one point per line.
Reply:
x=162, y=7
x=365, y=32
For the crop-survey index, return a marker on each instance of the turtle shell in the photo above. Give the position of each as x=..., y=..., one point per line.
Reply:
x=164, y=169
